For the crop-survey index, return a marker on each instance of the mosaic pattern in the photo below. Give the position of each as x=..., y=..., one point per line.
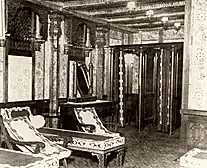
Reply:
x=1, y=75
x=198, y=54
x=97, y=145
x=135, y=84
x=19, y=82
x=63, y=67
x=39, y=75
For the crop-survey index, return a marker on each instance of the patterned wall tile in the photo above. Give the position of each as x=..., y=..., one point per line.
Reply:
x=39, y=74
x=47, y=69
x=135, y=75
x=63, y=67
x=19, y=78
x=71, y=76
x=1, y=75
x=198, y=57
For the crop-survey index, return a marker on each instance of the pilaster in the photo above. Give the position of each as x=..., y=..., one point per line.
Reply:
x=3, y=55
x=55, y=33
x=194, y=94
x=101, y=39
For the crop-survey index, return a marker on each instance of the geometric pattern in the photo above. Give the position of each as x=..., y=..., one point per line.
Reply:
x=145, y=149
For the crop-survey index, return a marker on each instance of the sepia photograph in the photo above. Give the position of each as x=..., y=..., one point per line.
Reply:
x=103, y=83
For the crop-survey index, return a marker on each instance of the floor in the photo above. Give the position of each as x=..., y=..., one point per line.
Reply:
x=146, y=149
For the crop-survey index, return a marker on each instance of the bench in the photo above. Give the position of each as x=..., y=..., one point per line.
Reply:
x=98, y=145
x=195, y=158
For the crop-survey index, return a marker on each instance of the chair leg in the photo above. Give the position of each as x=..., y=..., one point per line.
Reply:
x=119, y=158
x=65, y=164
x=101, y=160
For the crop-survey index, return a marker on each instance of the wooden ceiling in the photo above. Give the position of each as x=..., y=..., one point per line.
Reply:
x=116, y=12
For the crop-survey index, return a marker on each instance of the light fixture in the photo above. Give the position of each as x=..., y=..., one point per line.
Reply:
x=177, y=26
x=149, y=13
x=131, y=5
x=164, y=20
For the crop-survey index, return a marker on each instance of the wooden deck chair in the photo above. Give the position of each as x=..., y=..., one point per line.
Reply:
x=18, y=132
x=91, y=123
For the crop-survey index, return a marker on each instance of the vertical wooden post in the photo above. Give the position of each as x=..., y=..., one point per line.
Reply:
x=140, y=89
x=155, y=87
x=171, y=108
x=111, y=73
x=121, y=88
x=3, y=54
x=75, y=79
x=55, y=33
x=100, y=42
x=90, y=75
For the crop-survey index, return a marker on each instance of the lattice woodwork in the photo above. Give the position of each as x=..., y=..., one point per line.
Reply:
x=21, y=30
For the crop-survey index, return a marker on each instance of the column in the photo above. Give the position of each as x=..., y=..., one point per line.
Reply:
x=3, y=55
x=55, y=33
x=194, y=91
x=100, y=56
x=39, y=59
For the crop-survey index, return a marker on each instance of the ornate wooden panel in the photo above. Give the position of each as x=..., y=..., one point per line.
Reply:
x=21, y=30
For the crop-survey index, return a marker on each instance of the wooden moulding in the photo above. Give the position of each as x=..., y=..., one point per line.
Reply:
x=193, y=128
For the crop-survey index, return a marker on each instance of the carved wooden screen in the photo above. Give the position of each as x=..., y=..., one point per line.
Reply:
x=20, y=29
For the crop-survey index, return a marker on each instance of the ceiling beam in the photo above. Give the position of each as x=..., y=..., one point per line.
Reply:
x=56, y=8
x=170, y=23
x=144, y=18
x=139, y=8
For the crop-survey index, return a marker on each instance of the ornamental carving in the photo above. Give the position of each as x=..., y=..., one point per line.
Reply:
x=101, y=38
x=55, y=25
x=197, y=133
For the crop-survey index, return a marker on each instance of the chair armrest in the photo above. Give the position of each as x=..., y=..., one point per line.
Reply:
x=116, y=125
x=56, y=135
x=39, y=145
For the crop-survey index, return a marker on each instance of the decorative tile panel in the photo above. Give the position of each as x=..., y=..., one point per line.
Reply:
x=63, y=68
x=135, y=83
x=39, y=74
x=137, y=38
x=19, y=78
x=1, y=75
x=198, y=58
x=47, y=65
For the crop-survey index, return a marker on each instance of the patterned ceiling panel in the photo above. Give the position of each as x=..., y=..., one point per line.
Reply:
x=116, y=12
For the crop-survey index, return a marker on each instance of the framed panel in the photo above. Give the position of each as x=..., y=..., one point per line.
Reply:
x=19, y=78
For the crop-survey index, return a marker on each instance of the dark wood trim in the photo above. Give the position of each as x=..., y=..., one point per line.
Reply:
x=20, y=53
x=82, y=16
x=186, y=56
x=5, y=73
x=68, y=78
x=193, y=112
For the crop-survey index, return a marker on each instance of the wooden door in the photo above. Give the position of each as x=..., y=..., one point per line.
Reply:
x=169, y=85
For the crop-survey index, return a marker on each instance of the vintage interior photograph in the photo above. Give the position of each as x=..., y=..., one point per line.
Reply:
x=103, y=83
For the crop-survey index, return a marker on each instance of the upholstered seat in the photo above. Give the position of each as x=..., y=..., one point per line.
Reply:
x=91, y=123
x=18, y=132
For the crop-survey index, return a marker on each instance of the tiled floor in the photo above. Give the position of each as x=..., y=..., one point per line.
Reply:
x=145, y=149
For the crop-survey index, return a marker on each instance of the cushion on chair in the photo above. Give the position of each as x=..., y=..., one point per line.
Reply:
x=88, y=115
x=21, y=129
x=37, y=121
